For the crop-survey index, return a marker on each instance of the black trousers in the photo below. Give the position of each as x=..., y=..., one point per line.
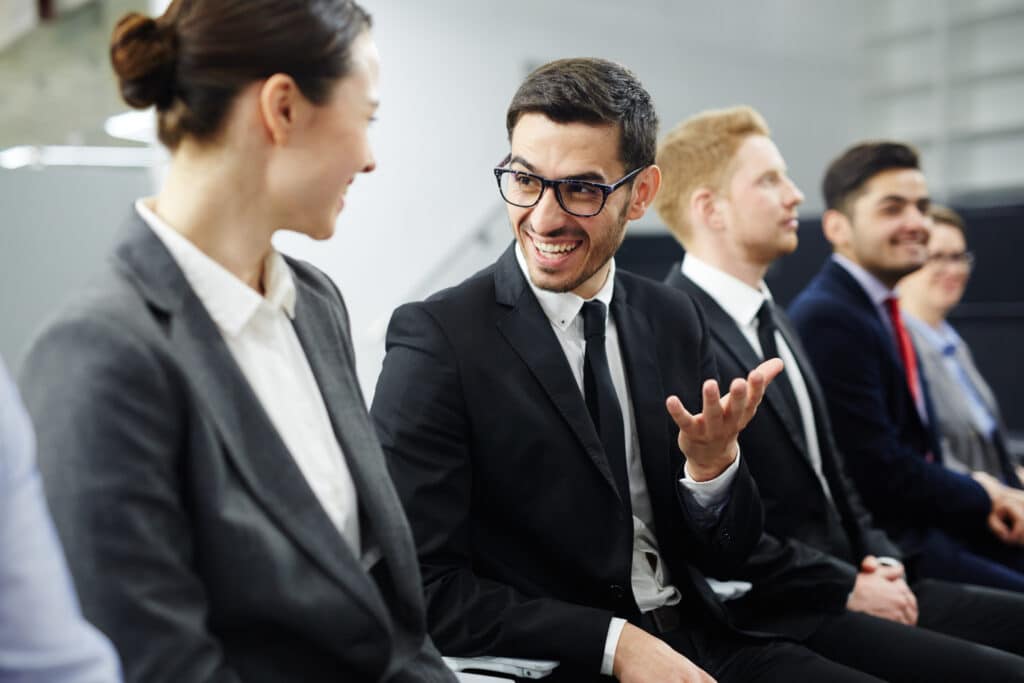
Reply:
x=858, y=647
x=964, y=633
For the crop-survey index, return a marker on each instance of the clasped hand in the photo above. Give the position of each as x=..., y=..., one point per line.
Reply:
x=709, y=439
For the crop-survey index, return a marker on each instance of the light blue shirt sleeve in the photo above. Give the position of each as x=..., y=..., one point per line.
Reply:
x=43, y=636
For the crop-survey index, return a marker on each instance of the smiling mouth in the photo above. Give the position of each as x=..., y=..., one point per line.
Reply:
x=554, y=250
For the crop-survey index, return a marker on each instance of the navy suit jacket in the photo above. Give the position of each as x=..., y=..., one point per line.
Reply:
x=873, y=413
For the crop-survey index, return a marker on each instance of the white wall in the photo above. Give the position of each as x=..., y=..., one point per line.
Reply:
x=450, y=67
x=56, y=228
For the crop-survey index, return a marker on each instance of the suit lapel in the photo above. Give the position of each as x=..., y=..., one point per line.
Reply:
x=528, y=330
x=729, y=337
x=324, y=336
x=646, y=392
x=251, y=442
x=857, y=296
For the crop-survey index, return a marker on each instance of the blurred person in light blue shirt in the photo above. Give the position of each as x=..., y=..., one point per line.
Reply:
x=43, y=636
x=965, y=411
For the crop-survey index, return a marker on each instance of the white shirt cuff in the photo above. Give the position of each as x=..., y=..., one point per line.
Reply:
x=610, y=645
x=713, y=492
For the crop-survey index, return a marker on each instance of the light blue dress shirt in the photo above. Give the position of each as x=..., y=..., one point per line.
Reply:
x=946, y=341
x=43, y=636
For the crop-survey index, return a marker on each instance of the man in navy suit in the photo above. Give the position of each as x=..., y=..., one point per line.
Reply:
x=727, y=197
x=956, y=526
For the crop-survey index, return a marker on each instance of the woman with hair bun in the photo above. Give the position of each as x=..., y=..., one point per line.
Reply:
x=205, y=447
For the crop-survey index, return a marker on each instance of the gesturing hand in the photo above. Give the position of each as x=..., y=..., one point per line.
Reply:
x=708, y=439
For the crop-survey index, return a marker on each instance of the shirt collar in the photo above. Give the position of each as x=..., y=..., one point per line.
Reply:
x=561, y=308
x=874, y=287
x=942, y=338
x=230, y=302
x=737, y=298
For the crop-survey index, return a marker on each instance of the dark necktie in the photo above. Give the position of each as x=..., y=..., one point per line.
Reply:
x=602, y=401
x=766, y=335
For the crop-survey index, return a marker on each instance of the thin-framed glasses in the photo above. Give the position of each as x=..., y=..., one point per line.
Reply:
x=964, y=259
x=582, y=198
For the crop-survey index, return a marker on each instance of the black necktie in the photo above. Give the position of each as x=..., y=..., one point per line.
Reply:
x=602, y=401
x=766, y=335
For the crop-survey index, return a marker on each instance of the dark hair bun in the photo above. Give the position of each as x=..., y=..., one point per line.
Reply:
x=144, y=55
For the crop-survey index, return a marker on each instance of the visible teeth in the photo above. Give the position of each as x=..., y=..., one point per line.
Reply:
x=555, y=248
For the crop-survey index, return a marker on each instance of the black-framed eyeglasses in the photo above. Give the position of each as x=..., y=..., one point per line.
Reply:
x=964, y=259
x=582, y=198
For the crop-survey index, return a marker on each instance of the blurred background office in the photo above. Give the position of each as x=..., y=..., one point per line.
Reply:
x=945, y=75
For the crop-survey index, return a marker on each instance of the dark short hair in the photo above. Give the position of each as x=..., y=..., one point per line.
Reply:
x=947, y=216
x=193, y=60
x=849, y=173
x=594, y=91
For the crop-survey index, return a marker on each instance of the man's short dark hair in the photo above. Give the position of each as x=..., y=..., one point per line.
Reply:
x=593, y=91
x=849, y=173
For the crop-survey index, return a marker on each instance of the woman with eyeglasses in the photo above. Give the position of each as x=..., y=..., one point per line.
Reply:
x=206, y=450
x=969, y=424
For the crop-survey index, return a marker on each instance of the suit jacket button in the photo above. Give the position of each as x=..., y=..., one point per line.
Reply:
x=618, y=593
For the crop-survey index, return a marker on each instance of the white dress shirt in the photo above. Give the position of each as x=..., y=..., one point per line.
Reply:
x=742, y=302
x=258, y=331
x=651, y=584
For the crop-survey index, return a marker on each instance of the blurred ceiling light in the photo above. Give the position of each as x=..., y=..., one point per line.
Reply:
x=137, y=126
x=70, y=155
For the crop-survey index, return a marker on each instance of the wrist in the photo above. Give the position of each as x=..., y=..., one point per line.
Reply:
x=711, y=468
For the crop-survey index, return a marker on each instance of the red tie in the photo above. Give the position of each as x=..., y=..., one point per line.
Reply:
x=905, y=347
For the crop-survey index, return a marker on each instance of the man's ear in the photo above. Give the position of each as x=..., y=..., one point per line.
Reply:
x=836, y=226
x=705, y=209
x=645, y=187
x=280, y=102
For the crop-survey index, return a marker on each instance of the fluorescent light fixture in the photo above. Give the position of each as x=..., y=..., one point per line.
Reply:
x=70, y=155
x=137, y=126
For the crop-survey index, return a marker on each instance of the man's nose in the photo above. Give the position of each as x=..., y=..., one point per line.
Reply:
x=547, y=214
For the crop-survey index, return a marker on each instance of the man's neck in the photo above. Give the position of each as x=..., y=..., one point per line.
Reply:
x=750, y=274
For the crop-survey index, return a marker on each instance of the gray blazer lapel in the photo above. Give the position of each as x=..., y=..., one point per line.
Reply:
x=529, y=332
x=324, y=335
x=250, y=440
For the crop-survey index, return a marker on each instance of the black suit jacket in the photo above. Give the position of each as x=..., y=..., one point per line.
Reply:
x=524, y=545
x=873, y=414
x=796, y=505
x=194, y=540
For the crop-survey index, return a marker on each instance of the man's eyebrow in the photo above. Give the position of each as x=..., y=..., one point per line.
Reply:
x=897, y=198
x=592, y=176
x=522, y=162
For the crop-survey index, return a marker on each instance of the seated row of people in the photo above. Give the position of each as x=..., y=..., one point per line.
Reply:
x=562, y=460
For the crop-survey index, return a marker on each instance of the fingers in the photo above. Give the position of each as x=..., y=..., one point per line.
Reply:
x=998, y=527
x=908, y=606
x=770, y=369
x=680, y=415
x=869, y=564
x=712, y=409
